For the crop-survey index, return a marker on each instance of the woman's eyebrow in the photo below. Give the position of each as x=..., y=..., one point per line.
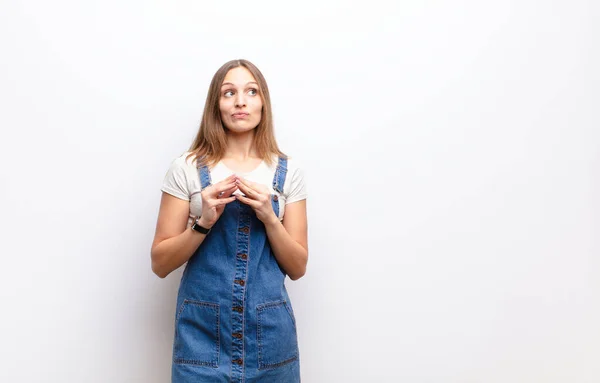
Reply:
x=229, y=83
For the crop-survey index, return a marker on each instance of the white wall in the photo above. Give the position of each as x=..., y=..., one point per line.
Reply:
x=452, y=153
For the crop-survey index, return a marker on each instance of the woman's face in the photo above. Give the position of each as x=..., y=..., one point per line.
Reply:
x=240, y=102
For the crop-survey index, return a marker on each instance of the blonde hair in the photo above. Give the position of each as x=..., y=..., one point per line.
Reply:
x=210, y=143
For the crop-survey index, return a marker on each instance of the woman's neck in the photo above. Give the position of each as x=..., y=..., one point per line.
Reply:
x=240, y=146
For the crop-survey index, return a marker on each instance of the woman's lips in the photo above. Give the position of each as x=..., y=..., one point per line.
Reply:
x=240, y=115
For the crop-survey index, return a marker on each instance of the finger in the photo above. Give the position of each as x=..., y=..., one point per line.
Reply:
x=227, y=193
x=244, y=181
x=250, y=184
x=248, y=201
x=257, y=186
x=232, y=185
x=221, y=188
x=224, y=201
x=228, y=180
x=247, y=190
x=258, y=193
x=260, y=189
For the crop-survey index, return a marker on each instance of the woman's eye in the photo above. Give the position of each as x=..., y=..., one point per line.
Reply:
x=229, y=93
x=253, y=92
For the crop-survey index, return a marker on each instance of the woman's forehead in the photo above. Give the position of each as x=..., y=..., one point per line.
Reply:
x=239, y=76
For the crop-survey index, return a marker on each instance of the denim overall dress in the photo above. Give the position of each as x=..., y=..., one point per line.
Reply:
x=234, y=321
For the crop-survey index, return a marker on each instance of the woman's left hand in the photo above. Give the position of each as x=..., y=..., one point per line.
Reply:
x=258, y=197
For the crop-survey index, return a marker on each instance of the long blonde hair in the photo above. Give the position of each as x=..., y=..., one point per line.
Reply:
x=210, y=143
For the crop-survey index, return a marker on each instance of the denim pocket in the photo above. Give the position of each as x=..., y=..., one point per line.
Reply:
x=276, y=333
x=197, y=334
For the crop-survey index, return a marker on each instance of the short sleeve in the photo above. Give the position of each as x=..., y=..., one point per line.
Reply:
x=175, y=181
x=298, y=189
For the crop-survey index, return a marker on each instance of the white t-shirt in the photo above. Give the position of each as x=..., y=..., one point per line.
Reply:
x=183, y=181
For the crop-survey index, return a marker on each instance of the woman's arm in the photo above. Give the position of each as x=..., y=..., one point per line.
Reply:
x=289, y=240
x=173, y=245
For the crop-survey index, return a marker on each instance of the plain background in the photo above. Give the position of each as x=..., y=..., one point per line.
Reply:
x=452, y=156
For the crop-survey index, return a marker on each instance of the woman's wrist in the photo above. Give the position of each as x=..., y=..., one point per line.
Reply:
x=202, y=222
x=274, y=220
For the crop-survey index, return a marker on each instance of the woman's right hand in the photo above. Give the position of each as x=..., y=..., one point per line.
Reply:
x=214, y=199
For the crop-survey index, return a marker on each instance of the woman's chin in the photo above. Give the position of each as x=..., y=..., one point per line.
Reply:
x=240, y=129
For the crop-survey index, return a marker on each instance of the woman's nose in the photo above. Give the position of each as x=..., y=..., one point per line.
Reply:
x=240, y=100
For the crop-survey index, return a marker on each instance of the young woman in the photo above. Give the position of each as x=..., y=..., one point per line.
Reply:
x=234, y=208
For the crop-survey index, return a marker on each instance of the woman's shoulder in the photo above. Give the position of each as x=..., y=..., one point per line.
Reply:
x=180, y=180
x=295, y=188
x=295, y=174
x=185, y=161
x=292, y=163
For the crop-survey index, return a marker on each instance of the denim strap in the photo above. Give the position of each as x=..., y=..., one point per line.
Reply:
x=204, y=176
x=280, y=173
